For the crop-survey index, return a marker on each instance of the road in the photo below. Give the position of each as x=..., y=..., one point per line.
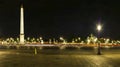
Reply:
x=59, y=58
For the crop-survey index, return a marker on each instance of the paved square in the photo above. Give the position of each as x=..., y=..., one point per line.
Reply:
x=27, y=58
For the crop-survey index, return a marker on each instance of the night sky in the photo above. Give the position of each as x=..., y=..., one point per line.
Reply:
x=55, y=18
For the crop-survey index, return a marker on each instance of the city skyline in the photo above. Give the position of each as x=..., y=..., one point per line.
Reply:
x=60, y=18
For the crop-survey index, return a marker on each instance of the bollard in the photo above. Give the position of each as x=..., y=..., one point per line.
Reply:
x=35, y=51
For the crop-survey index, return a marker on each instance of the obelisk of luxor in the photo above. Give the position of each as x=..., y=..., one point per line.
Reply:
x=21, y=24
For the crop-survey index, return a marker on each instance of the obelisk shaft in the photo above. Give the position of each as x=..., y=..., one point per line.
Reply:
x=21, y=25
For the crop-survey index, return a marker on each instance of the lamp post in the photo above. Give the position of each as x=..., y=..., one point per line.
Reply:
x=62, y=39
x=99, y=28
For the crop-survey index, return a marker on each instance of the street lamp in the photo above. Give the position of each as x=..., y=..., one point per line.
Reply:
x=99, y=28
x=62, y=39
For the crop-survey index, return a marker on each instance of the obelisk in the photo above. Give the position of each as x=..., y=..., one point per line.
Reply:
x=22, y=24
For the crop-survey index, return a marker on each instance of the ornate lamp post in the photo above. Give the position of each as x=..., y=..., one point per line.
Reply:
x=99, y=28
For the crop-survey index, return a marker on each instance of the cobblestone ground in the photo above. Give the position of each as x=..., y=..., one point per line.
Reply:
x=22, y=58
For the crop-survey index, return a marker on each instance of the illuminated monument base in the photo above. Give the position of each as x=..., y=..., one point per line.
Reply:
x=21, y=38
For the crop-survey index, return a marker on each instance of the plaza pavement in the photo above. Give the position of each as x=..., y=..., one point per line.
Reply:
x=26, y=58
